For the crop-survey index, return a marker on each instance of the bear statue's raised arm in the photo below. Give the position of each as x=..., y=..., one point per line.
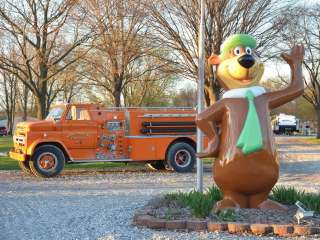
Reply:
x=296, y=86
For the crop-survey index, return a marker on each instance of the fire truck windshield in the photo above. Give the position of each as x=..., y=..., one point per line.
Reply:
x=55, y=113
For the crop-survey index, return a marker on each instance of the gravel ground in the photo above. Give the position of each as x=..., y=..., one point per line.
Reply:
x=89, y=205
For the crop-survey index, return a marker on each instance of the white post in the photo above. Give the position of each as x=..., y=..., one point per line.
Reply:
x=200, y=107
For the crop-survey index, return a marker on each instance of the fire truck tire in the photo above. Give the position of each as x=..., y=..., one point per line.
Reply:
x=47, y=161
x=24, y=166
x=181, y=157
x=157, y=165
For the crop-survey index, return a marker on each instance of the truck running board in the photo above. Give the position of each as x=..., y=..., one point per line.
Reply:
x=101, y=160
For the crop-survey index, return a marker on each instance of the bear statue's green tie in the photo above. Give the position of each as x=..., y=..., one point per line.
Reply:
x=250, y=139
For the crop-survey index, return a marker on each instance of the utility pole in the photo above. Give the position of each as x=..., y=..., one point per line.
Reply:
x=200, y=107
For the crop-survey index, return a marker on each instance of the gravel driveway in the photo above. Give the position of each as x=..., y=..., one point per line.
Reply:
x=90, y=205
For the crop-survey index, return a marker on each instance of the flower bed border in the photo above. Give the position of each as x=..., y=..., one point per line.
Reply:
x=142, y=219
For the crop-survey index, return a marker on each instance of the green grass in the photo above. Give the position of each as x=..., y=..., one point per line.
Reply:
x=289, y=195
x=311, y=140
x=6, y=163
x=208, y=160
x=199, y=203
x=202, y=203
x=5, y=143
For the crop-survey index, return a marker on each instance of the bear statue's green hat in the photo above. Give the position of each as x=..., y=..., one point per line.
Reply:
x=236, y=40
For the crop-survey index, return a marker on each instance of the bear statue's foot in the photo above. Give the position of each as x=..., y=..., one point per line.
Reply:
x=225, y=203
x=269, y=204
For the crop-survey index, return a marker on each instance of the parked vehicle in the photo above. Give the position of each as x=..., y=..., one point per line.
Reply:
x=285, y=124
x=82, y=133
x=3, y=131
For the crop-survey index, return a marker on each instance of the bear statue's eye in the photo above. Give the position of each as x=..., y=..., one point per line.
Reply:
x=237, y=51
x=248, y=50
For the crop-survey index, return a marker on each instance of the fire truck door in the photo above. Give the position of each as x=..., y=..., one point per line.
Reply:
x=80, y=131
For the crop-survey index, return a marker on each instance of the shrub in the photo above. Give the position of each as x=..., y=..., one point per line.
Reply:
x=175, y=196
x=289, y=195
x=285, y=195
x=201, y=204
x=227, y=215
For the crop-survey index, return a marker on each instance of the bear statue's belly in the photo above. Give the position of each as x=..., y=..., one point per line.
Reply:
x=248, y=174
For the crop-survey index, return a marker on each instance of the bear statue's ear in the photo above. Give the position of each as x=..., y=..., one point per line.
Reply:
x=214, y=59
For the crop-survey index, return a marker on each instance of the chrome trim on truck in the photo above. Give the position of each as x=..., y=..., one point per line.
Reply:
x=19, y=139
x=127, y=122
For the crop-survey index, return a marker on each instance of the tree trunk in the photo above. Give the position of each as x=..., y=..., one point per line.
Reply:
x=41, y=101
x=42, y=108
x=117, y=90
x=211, y=92
x=10, y=94
x=25, y=103
x=117, y=98
x=317, y=109
x=212, y=87
x=10, y=123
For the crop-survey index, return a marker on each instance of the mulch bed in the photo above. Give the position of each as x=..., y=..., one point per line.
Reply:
x=160, y=213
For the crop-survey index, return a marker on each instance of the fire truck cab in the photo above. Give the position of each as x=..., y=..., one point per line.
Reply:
x=82, y=133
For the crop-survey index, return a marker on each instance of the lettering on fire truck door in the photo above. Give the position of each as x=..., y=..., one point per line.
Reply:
x=79, y=130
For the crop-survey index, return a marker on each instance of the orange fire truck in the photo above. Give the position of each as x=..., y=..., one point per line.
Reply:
x=82, y=133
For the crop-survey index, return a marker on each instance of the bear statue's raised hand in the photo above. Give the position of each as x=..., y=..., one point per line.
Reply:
x=295, y=56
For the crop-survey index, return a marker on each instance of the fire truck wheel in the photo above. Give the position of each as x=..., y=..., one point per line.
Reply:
x=24, y=166
x=157, y=165
x=181, y=157
x=47, y=161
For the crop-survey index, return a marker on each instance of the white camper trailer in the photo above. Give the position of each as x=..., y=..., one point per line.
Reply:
x=285, y=124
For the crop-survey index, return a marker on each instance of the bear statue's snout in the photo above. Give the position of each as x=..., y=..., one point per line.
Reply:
x=246, y=61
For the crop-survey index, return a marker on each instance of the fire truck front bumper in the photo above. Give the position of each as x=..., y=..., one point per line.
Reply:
x=17, y=156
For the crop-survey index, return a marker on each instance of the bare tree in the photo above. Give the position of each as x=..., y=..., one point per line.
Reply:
x=303, y=26
x=24, y=98
x=185, y=97
x=177, y=22
x=148, y=91
x=122, y=49
x=43, y=33
x=70, y=84
x=9, y=84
